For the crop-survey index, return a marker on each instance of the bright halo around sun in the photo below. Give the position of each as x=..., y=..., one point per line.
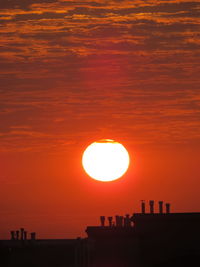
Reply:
x=105, y=160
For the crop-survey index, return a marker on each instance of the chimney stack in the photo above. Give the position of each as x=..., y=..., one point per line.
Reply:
x=160, y=203
x=17, y=235
x=22, y=233
x=25, y=235
x=117, y=222
x=110, y=221
x=127, y=221
x=12, y=235
x=167, y=207
x=33, y=236
x=151, y=204
x=121, y=221
x=143, y=206
x=102, y=219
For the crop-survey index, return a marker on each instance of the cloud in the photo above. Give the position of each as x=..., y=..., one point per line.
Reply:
x=74, y=68
x=21, y=4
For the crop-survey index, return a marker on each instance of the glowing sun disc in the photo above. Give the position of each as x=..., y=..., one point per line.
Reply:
x=105, y=160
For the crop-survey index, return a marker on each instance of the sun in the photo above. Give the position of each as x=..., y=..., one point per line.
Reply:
x=105, y=160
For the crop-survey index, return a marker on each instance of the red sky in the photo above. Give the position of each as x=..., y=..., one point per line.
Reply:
x=72, y=72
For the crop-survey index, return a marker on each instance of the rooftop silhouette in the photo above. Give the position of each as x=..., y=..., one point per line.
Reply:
x=154, y=237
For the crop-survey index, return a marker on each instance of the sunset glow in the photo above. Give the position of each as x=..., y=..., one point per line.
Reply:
x=105, y=160
x=73, y=72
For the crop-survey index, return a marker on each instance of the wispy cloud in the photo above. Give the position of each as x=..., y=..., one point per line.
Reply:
x=70, y=68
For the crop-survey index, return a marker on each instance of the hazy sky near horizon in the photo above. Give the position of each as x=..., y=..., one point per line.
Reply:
x=72, y=72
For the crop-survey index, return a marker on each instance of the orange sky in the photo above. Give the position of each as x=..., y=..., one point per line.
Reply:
x=72, y=72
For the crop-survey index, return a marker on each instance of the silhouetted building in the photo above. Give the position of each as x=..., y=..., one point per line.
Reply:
x=142, y=240
x=149, y=239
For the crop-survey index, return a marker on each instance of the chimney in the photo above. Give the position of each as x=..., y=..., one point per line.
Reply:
x=151, y=204
x=117, y=220
x=121, y=221
x=12, y=235
x=102, y=219
x=22, y=233
x=33, y=236
x=17, y=235
x=25, y=235
x=160, y=203
x=110, y=221
x=143, y=206
x=167, y=207
x=127, y=221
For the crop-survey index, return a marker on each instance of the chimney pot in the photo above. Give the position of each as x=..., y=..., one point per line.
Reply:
x=102, y=219
x=17, y=235
x=167, y=207
x=33, y=236
x=151, y=204
x=22, y=233
x=121, y=221
x=25, y=235
x=127, y=220
x=143, y=206
x=12, y=235
x=160, y=203
x=110, y=221
x=117, y=222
